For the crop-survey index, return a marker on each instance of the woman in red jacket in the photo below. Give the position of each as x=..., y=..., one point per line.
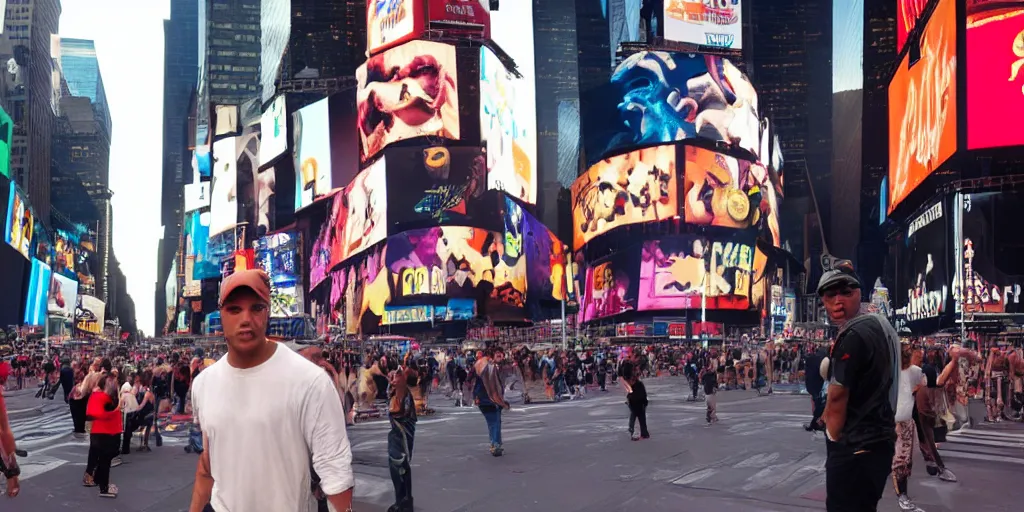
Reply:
x=105, y=412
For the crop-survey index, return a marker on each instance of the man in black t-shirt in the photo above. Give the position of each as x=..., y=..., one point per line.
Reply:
x=864, y=381
x=709, y=378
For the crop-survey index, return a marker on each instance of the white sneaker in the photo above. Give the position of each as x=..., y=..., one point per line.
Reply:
x=947, y=476
x=907, y=504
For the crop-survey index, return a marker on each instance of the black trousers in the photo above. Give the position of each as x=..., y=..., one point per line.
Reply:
x=102, y=447
x=78, y=414
x=638, y=412
x=856, y=479
x=400, y=446
x=819, y=409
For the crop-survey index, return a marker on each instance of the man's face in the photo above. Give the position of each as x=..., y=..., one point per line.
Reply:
x=499, y=357
x=842, y=303
x=245, y=316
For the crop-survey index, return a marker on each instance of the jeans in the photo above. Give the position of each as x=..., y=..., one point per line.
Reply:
x=400, y=445
x=638, y=412
x=492, y=414
x=104, y=447
x=78, y=414
x=711, y=400
x=855, y=480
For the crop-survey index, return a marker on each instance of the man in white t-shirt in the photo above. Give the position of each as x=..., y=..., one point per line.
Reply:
x=266, y=412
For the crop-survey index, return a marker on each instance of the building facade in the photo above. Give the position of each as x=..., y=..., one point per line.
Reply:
x=328, y=39
x=232, y=57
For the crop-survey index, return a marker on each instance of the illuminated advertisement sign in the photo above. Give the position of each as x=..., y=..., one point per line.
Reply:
x=406, y=92
x=197, y=230
x=636, y=187
x=451, y=261
x=510, y=274
x=438, y=186
x=907, y=14
x=394, y=315
x=278, y=256
x=718, y=190
x=508, y=105
x=656, y=97
x=995, y=78
x=991, y=267
x=62, y=297
x=922, y=107
x=611, y=287
x=202, y=161
x=224, y=191
x=38, y=293
x=468, y=16
x=6, y=138
x=274, y=127
x=367, y=291
x=20, y=223
x=312, y=131
x=197, y=195
x=717, y=23
x=90, y=314
x=320, y=257
x=675, y=272
x=545, y=258
x=66, y=253
x=925, y=268
x=360, y=213
x=392, y=22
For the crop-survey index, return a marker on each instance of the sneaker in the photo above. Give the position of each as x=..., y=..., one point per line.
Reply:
x=907, y=504
x=946, y=475
x=110, y=493
x=116, y=462
x=634, y=436
x=498, y=451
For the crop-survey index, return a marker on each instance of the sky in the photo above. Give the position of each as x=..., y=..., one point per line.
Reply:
x=130, y=47
x=847, y=45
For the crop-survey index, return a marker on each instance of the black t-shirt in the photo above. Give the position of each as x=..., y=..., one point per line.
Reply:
x=862, y=362
x=710, y=381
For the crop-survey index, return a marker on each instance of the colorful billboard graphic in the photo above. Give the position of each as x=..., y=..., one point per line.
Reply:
x=406, y=92
x=20, y=223
x=717, y=23
x=360, y=213
x=922, y=107
x=437, y=186
x=611, y=287
x=274, y=128
x=546, y=276
x=90, y=314
x=38, y=293
x=995, y=78
x=278, y=256
x=633, y=188
x=656, y=97
x=907, y=14
x=675, y=272
x=62, y=298
x=992, y=268
x=925, y=267
x=312, y=132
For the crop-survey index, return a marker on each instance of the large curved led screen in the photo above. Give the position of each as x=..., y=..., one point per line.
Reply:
x=995, y=75
x=675, y=272
x=718, y=190
x=448, y=261
x=508, y=106
x=639, y=186
x=435, y=186
x=717, y=23
x=657, y=97
x=922, y=107
x=406, y=92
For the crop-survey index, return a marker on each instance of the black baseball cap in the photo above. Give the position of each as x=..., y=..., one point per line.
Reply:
x=840, y=273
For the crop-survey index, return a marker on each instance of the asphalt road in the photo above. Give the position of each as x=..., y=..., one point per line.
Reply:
x=573, y=456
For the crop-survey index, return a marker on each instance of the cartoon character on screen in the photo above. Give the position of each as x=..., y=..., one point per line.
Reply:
x=728, y=106
x=466, y=259
x=646, y=184
x=513, y=246
x=682, y=272
x=601, y=201
x=761, y=186
x=653, y=108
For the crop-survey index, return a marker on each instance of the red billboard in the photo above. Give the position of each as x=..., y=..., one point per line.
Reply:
x=995, y=78
x=907, y=14
x=472, y=16
x=390, y=23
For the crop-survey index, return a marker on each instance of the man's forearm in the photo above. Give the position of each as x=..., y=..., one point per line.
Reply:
x=341, y=502
x=835, y=411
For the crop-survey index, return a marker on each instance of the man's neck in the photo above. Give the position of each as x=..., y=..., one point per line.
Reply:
x=253, y=359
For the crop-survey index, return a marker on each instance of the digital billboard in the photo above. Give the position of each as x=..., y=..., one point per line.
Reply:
x=992, y=266
x=508, y=105
x=717, y=23
x=197, y=195
x=62, y=297
x=508, y=296
x=450, y=261
x=38, y=293
x=367, y=290
x=90, y=314
x=437, y=186
x=361, y=213
x=995, y=79
x=546, y=278
x=406, y=92
x=278, y=256
x=320, y=256
x=202, y=161
x=675, y=272
x=639, y=186
x=472, y=17
x=922, y=107
x=718, y=191
x=20, y=222
x=225, y=120
x=312, y=133
x=274, y=127
x=197, y=228
x=392, y=22
x=611, y=287
x=224, y=190
x=6, y=138
x=656, y=97
x=924, y=267
x=907, y=14
x=266, y=204
x=66, y=253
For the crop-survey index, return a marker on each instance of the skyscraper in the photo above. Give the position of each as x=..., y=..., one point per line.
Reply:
x=789, y=60
x=81, y=70
x=181, y=70
x=328, y=39
x=232, y=56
